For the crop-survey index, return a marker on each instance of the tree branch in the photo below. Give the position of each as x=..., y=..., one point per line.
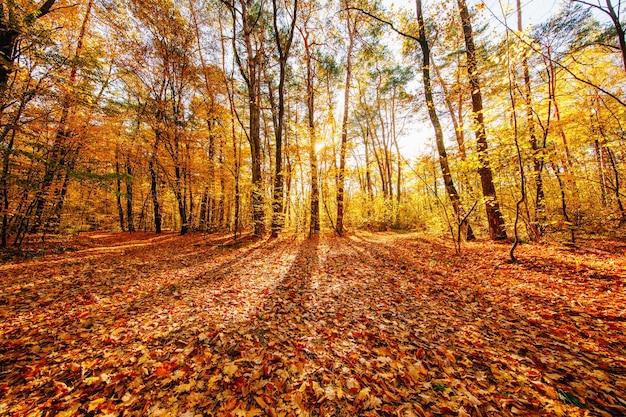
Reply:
x=381, y=20
x=558, y=64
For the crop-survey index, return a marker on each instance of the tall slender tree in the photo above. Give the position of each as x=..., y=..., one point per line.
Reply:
x=306, y=33
x=537, y=226
x=248, y=19
x=351, y=21
x=495, y=219
x=283, y=39
x=434, y=119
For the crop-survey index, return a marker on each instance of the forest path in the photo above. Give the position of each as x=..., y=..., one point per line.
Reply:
x=370, y=324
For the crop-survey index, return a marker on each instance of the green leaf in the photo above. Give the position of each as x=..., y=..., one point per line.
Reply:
x=439, y=387
x=568, y=398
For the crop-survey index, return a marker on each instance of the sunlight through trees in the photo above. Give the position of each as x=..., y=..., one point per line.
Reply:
x=297, y=116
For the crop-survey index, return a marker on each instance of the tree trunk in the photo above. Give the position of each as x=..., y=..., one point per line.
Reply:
x=537, y=226
x=118, y=193
x=278, y=217
x=258, y=214
x=601, y=177
x=202, y=224
x=181, y=198
x=250, y=69
x=568, y=223
x=314, y=224
x=339, y=227
x=466, y=229
x=10, y=32
x=458, y=130
x=154, y=182
x=130, y=218
x=497, y=230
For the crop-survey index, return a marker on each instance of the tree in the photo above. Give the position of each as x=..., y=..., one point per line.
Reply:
x=306, y=33
x=614, y=14
x=434, y=119
x=12, y=26
x=283, y=39
x=497, y=230
x=351, y=21
x=249, y=21
x=537, y=226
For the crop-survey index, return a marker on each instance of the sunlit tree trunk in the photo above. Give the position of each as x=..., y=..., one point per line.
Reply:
x=399, y=162
x=339, y=225
x=495, y=219
x=314, y=222
x=458, y=129
x=250, y=66
x=537, y=225
x=368, y=172
x=283, y=47
x=451, y=190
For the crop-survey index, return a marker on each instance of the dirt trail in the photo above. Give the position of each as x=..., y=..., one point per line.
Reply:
x=370, y=324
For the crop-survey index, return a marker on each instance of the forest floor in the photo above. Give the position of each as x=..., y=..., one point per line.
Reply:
x=383, y=324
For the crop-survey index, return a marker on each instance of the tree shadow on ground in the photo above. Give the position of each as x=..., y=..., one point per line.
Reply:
x=74, y=314
x=362, y=325
x=508, y=327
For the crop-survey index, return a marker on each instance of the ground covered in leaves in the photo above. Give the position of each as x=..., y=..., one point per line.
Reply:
x=370, y=324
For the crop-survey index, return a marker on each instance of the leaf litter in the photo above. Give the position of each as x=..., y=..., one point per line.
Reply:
x=370, y=324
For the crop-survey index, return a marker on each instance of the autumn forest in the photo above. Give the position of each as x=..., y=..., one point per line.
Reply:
x=293, y=116
x=312, y=208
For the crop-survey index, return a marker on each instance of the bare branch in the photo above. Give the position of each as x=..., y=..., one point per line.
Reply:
x=381, y=20
x=532, y=46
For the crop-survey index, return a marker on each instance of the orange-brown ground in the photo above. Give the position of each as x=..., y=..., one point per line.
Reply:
x=370, y=324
